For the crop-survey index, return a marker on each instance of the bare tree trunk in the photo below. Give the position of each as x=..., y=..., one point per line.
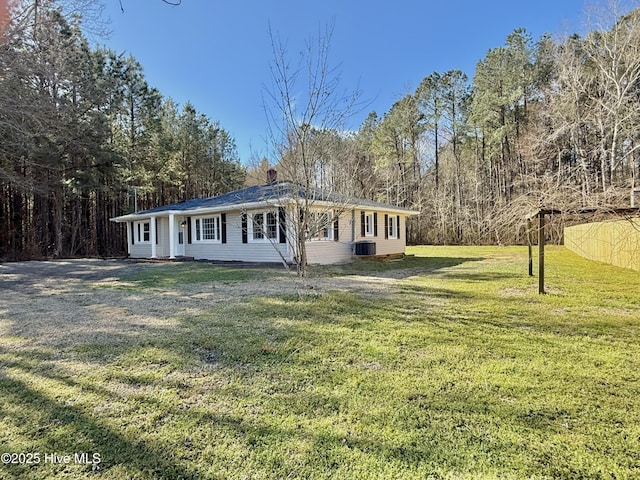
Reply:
x=301, y=122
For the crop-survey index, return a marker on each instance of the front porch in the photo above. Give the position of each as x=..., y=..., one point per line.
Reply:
x=157, y=237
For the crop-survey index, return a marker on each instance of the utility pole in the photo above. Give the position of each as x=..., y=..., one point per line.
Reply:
x=135, y=199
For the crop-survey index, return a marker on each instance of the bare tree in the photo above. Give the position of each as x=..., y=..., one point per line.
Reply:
x=307, y=113
x=597, y=104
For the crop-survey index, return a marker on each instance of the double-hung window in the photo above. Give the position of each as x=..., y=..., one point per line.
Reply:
x=392, y=227
x=320, y=227
x=207, y=229
x=369, y=227
x=272, y=225
x=144, y=232
x=264, y=226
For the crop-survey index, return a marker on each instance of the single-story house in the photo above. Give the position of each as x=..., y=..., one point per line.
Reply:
x=256, y=224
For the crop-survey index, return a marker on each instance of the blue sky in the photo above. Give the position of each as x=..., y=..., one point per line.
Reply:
x=216, y=53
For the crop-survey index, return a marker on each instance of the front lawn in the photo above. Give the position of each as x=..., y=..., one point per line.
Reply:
x=446, y=364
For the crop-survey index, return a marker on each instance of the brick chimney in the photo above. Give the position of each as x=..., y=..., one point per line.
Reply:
x=272, y=175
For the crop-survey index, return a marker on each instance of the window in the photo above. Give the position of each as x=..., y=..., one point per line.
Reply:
x=392, y=227
x=144, y=232
x=207, y=229
x=258, y=226
x=264, y=226
x=369, y=227
x=320, y=226
x=211, y=228
x=272, y=225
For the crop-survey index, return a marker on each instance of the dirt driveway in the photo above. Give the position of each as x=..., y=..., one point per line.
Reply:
x=65, y=302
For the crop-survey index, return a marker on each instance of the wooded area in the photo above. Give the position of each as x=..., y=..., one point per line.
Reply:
x=541, y=122
x=82, y=133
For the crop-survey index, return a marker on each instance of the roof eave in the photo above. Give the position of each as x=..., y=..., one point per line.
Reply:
x=203, y=210
x=390, y=209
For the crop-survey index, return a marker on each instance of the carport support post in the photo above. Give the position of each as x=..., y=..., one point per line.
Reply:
x=541, y=253
x=530, y=246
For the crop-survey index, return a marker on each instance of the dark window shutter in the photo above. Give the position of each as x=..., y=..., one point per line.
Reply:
x=157, y=232
x=133, y=234
x=362, y=224
x=336, y=228
x=398, y=226
x=244, y=228
x=282, y=223
x=189, y=230
x=386, y=226
x=375, y=224
x=223, y=221
x=139, y=236
x=303, y=225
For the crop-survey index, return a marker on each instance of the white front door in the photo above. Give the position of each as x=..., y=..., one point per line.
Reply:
x=181, y=232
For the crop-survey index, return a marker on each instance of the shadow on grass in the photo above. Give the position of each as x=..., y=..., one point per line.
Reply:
x=396, y=268
x=249, y=349
x=434, y=292
x=278, y=369
x=481, y=277
x=41, y=277
x=163, y=276
x=66, y=429
x=294, y=405
x=37, y=277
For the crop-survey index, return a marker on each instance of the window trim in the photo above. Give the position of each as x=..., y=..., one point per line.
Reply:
x=197, y=226
x=369, y=224
x=328, y=226
x=392, y=227
x=265, y=238
x=142, y=230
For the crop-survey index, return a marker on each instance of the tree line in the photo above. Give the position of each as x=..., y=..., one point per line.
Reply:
x=541, y=122
x=544, y=121
x=83, y=134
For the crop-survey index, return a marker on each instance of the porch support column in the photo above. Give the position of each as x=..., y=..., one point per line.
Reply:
x=154, y=234
x=172, y=235
x=129, y=238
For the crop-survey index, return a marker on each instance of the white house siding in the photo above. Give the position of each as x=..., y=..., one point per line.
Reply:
x=140, y=249
x=389, y=247
x=326, y=252
x=322, y=252
x=234, y=249
x=162, y=247
x=137, y=249
x=384, y=246
x=143, y=249
x=318, y=251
